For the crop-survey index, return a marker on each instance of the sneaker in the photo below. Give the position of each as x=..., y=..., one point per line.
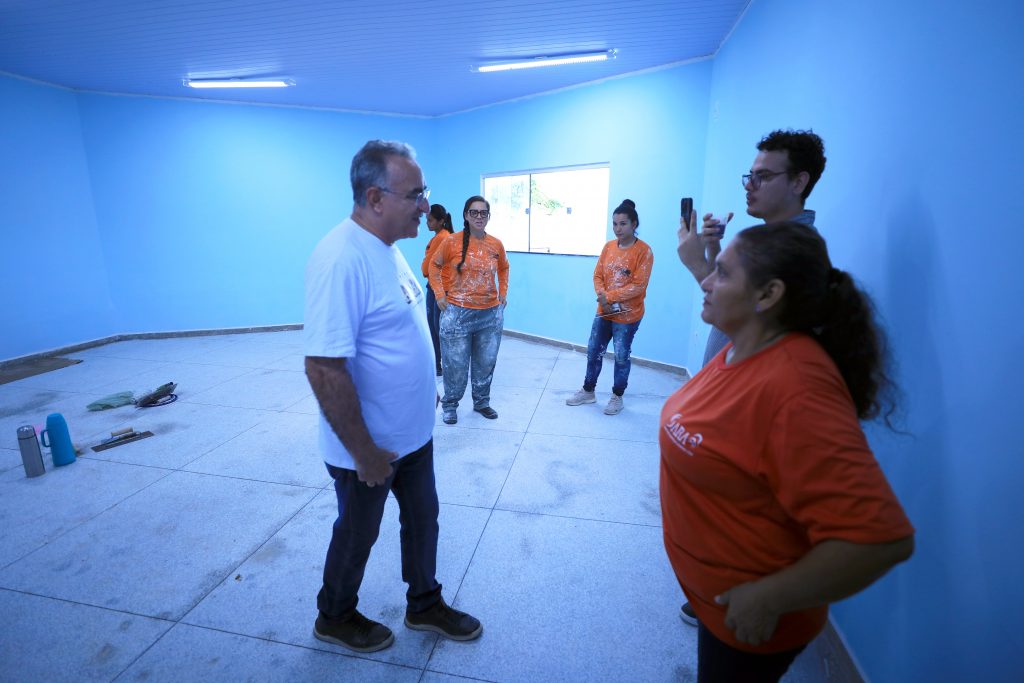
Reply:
x=614, y=406
x=443, y=620
x=581, y=397
x=450, y=417
x=357, y=633
x=687, y=614
x=488, y=412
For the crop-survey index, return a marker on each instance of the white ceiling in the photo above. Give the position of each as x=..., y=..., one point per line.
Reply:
x=396, y=56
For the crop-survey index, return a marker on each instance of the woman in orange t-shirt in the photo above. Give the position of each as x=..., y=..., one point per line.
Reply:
x=773, y=505
x=472, y=307
x=439, y=222
x=620, y=281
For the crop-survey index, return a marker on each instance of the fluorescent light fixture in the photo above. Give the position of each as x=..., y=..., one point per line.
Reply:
x=534, y=62
x=238, y=82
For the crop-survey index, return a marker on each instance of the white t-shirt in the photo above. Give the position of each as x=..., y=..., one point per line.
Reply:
x=363, y=303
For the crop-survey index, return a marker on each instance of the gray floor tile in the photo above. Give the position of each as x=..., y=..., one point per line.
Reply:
x=515, y=407
x=40, y=510
x=307, y=406
x=638, y=421
x=276, y=588
x=182, y=432
x=10, y=458
x=188, y=653
x=264, y=389
x=90, y=375
x=615, y=481
x=52, y=640
x=282, y=448
x=522, y=372
x=571, y=600
x=159, y=552
x=520, y=348
x=435, y=677
x=233, y=352
x=170, y=350
x=30, y=406
x=470, y=466
x=191, y=378
x=296, y=362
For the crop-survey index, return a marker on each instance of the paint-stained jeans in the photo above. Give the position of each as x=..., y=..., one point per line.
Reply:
x=469, y=342
x=601, y=333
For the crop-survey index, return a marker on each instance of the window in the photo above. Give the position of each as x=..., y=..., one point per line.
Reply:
x=560, y=211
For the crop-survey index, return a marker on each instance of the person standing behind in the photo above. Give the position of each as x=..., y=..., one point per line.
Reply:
x=439, y=222
x=367, y=359
x=787, y=167
x=773, y=505
x=472, y=309
x=620, y=281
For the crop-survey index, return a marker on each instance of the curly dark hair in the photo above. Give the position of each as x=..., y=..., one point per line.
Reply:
x=825, y=303
x=806, y=153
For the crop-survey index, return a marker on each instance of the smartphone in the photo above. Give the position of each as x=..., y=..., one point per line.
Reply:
x=685, y=209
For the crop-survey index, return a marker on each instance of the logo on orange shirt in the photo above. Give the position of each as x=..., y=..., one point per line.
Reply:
x=681, y=436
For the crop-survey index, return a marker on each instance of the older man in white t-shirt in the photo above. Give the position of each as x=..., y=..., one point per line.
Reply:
x=370, y=362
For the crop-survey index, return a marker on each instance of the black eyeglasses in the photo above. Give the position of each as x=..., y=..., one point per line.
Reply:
x=413, y=196
x=755, y=179
x=482, y=213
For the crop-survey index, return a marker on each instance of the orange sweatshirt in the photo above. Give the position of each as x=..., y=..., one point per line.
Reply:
x=432, y=246
x=475, y=286
x=622, y=276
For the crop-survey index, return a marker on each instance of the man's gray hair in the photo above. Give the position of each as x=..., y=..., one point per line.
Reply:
x=370, y=165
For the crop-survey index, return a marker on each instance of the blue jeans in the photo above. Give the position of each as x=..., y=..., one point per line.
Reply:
x=360, y=508
x=719, y=662
x=601, y=333
x=433, y=316
x=469, y=341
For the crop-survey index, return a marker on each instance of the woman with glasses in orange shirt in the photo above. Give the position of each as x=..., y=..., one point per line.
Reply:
x=472, y=309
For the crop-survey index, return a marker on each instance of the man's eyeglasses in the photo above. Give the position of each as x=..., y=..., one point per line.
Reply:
x=416, y=197
x=482, y=213
x=755, y=179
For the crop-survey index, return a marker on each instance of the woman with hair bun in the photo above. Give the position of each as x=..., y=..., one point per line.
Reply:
x=773, y=505
x=439, y=222
x=620, y=281
x=472, y=309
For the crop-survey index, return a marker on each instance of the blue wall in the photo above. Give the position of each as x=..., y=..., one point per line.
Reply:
x=920, y=106
x=210, y=211
x=48, y=226
x=651, y=128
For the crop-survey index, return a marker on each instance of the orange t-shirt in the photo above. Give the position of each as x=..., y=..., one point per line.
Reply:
x=622, y=275
x=432, y=246
x=760, y=461
x=483, y=281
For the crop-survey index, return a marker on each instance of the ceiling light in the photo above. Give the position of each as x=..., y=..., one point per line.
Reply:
x=238, y=82
x=534, y=62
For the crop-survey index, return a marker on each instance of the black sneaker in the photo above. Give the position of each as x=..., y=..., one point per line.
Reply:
x=450, y=417
x=488, y=412
x=443, y=620
x=687, y=614
x=356, y=633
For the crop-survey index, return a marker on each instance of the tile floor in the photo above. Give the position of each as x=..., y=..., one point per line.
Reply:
x=196, y=554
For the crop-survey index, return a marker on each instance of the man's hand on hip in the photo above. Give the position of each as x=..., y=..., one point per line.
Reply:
x=374, y=467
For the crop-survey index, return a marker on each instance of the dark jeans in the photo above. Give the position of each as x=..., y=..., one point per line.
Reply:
x=433, y=318
x=718, y=662
x=601, y=333
x=360, y=508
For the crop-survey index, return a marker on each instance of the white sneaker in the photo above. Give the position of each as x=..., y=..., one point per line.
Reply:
x=614, y=406
x=581, y=397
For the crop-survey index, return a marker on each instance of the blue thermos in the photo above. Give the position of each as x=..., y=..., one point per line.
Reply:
x=57, y=438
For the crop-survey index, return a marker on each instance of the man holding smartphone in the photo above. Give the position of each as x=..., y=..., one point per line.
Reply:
x=787, y=167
